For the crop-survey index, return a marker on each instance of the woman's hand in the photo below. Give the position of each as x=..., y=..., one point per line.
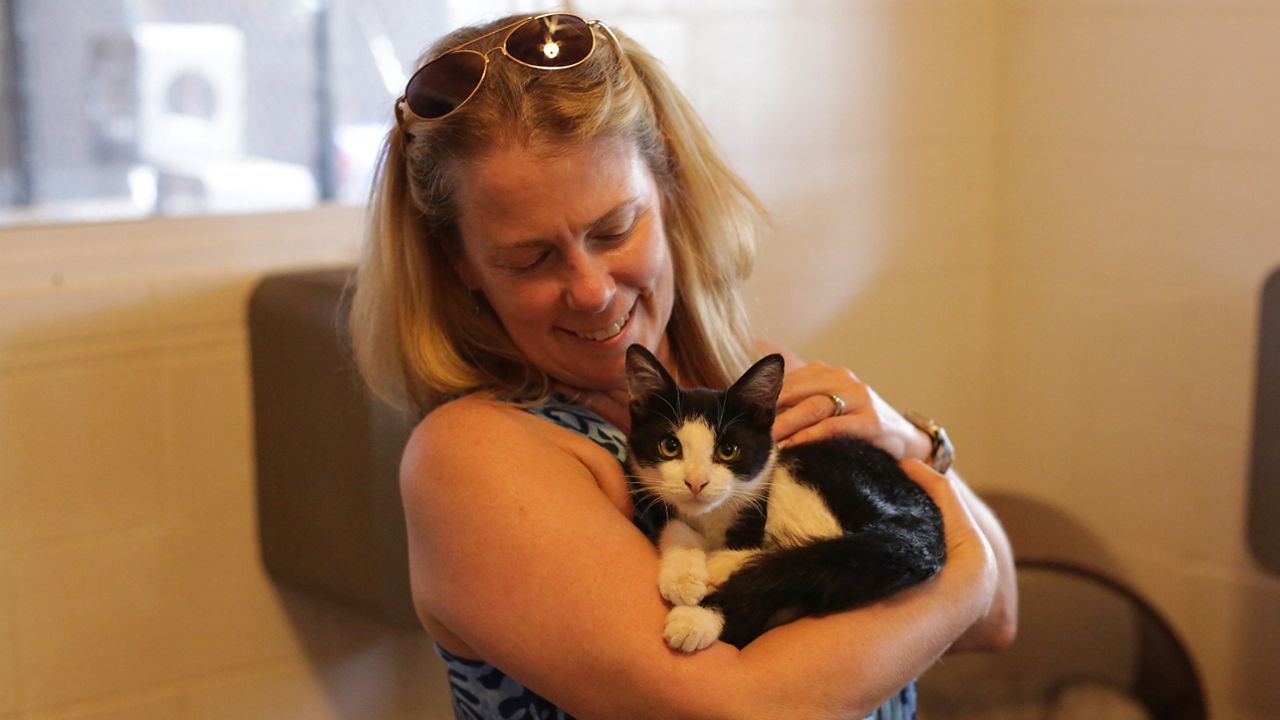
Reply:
x=819, y=401
x=968, y=549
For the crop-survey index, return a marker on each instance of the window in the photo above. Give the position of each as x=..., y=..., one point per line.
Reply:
x=132, y=108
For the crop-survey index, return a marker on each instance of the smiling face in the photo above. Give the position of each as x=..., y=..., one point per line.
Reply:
x=568, y=248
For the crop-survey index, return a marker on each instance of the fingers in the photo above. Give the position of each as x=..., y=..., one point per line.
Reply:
x=807, y=413
x=810, y=413
x=819, y=379
x=859, y=426
x=933, y=482
x=959, y=526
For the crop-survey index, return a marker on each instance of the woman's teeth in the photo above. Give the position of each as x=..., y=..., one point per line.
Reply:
x=605, y=334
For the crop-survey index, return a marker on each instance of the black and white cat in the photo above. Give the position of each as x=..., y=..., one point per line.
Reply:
x=751, y=537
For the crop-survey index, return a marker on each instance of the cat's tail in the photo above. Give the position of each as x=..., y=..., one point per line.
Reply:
x=823, y=577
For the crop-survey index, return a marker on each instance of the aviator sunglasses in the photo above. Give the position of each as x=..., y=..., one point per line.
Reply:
x=554, y=41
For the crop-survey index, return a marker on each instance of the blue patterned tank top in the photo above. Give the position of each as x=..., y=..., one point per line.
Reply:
x=481, y=691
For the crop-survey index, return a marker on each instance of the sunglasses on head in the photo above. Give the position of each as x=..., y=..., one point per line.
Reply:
x=554, y=41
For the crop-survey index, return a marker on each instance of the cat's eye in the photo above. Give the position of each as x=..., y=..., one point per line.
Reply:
x=669, y=447
x=727, y=451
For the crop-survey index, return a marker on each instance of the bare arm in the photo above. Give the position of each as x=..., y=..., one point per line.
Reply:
x=874, y=420
x=998, y=627
x=515, y=549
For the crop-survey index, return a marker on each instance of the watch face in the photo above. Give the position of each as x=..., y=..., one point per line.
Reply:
x=943, y=452
x=942, y=459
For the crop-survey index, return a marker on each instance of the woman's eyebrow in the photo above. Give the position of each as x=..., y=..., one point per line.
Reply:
x=617, y=210
x=609, y=216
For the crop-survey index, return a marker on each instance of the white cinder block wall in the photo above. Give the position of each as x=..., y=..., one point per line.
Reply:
x=1044, y=222
x=130, y=584
x=1140, y=216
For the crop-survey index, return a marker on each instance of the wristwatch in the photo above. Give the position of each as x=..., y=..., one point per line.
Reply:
x=943, y=452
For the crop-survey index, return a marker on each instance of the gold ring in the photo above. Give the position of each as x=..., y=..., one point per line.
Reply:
x=838, y=402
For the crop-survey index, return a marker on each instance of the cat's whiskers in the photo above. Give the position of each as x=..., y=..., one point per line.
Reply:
x=723, y=427
x=647, y=499
x=647, y=495
x=675, y=419
x=673, y=426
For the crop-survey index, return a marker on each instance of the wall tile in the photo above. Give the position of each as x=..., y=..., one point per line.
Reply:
x=207, y=431
x=1230, y=620
x=1165, y=485
x=393, y=678
x=85, y=255
x=921, y=340
x=78, y=449
x=151, y=706
x=1182, y=596
x=841, y=221
x=1106, y=404
x=1238, y=213
x=291, y=692
x=1254, y=643
x=1206, y=219
x=71, y=312
x=1243, y=100
x=1106, y=73
x=1139, y=224
x=206, y=301
x=10, y=679
x=124, y=612
x=1096, y=214
x=905, y=70
x=1077, y=345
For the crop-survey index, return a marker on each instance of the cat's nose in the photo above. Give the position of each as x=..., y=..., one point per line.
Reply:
x=695, y=486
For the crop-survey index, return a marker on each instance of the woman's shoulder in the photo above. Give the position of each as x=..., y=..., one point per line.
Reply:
x=470, y=424
x=475, y=436
x=470, y=410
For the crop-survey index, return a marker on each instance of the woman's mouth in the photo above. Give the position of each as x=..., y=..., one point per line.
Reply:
x=609, y=332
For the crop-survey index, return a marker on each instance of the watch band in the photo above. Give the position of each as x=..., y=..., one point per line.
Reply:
x=942, y=453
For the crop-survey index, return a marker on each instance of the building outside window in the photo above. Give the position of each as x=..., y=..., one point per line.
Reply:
x=114, y=109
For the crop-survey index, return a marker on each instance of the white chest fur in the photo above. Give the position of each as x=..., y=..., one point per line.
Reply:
x=797, y=514
x=714, y=525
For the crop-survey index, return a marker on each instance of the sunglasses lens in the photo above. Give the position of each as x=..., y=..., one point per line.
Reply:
x=444, y=83
x=551, y=42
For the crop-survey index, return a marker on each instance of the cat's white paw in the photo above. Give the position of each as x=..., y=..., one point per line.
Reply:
x=682, y=577
x=722, y=564
x=692, y=628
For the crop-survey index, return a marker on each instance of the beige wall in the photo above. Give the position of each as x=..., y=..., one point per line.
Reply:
x=130, y=584
x=1140, y=215
x=1044, y=222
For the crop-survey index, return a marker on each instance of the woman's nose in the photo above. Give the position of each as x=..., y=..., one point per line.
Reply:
x=589, y=284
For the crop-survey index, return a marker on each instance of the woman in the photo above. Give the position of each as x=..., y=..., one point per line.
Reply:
x=548, y=198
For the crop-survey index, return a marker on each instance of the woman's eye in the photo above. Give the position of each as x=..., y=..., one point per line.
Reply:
x=616, y=234
x=669, y=447
x=727, y=451
x=530, y=264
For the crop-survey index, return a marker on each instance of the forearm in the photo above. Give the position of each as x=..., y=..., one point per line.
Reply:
x=576, y=615
x=845, y=665
x=996, y=629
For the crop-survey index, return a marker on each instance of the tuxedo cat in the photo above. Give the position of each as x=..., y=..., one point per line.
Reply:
x=750, y=536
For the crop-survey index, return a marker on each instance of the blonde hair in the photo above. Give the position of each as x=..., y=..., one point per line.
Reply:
x=416, y=341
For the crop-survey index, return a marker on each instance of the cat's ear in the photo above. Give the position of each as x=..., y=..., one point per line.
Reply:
x=645, y=374
x=761, y=384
